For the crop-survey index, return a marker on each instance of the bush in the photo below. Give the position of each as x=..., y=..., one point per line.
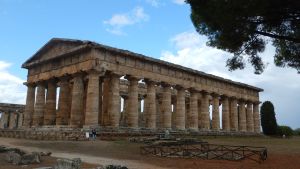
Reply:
x=285, y=130
x=297, y=132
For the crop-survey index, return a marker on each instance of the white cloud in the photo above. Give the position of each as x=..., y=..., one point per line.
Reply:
x=280, y=84
x=11, y=87
x=179, y=2
x=118, y=21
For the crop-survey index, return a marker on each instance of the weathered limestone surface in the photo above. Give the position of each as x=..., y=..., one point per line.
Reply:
x=92, y=100
x=50, y=108
x=193, y=116
x=29, y=108
x=205, y=119
x=215, y=113
x=150, y=105
x=93, y=96
x=249, y=117
x=132, y=114
x=225, y=114
x=234, y=125
x=242, y=116
x=39, y=108
x=113, y=102
x=77, y=102
x=256, y=117
x=166, y=106
x=180, y=109
x=64, y=104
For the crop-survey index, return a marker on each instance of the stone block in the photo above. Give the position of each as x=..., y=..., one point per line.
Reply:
x=63, y=163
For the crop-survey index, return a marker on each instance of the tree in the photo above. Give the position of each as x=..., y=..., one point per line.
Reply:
x=268, y=119
x=285, y=130
x=245, y=27
x=297, y=131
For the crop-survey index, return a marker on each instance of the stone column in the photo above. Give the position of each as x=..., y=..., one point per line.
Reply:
x=92, y=100
x=180, y=109
x=133, y=102
x=106, y=87
x=64, y=102
x=193, y=115
x=20, y=120
x=50, y=112
x=205, y=119
x=166, y=106
x=63, y=113
x=233, y=114
x=77, y=102
x=249, y=117
x=114, y=101
x=215, y=113
x=39, y=108
x=29, y=107
x=150, y=105
x=225, y=114
x=256, y=117
x=100, y=102
x=242, y=116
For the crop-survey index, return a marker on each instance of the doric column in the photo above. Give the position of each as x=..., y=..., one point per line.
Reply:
x=150, y=105
x=92, y=99
x=64, y=102
x=77, y=102
x=225, y=114
x=249, y=117
x=39, y=108
x=29, y=107
x=233, y=114
x=242, y=116
x=133, y=102
x=180, y=109
x=166, y=106
x=205, y=119
x=114, y=100
x=256, y=117
x=100, y=102
x=215, y=112
x=105, y=120
x=50, y=111
x=193, y=114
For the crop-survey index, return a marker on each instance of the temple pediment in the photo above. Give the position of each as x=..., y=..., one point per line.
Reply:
x=56, y=47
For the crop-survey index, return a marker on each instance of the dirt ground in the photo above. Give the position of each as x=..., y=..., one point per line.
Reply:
x=282, y=153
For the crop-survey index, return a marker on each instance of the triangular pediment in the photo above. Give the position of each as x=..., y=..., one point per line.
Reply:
x=52, y=49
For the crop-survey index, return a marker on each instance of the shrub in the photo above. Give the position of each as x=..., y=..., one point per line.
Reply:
x=297, y=132
x=285, y=130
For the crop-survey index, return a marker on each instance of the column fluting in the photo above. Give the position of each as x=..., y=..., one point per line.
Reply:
x=64, y=102
x=150, y=105
x=225, y=114
x=215, y=113
x=193, y=116
x=166, y=106
x=205, y=119
x=39, y=108
x=133, y=102
x=249, y=117
x=29, y=107
x=180, y=109
x=233, y=114
x=242, y=116
x=77, y=102
x=256, y=117
x=50, y=109
x=114, y=100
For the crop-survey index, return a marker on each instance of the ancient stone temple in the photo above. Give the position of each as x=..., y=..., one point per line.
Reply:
x=82, y=84
x=11, y=115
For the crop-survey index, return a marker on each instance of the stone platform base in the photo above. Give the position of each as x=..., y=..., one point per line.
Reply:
x=78, y=134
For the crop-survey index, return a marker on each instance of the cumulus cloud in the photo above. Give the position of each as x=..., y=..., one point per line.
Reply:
x=118, y=21
x=11, y=87
x=179, y=2
x=154, y=3
x=280, y=84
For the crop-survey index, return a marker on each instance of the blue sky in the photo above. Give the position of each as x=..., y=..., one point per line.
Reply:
x=157, y=28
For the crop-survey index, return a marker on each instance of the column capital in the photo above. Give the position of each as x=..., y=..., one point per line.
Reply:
x=179, y=87
x=193, y=90
x=164, y=84
x=149, y=81
x=113, y=74
x=29, y=84
x=132, y=78
x=215, y=94
x=95, y=72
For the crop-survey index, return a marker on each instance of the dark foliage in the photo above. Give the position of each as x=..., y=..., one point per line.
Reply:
x=245, y=27
x=268, y=119
x=285, y=130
